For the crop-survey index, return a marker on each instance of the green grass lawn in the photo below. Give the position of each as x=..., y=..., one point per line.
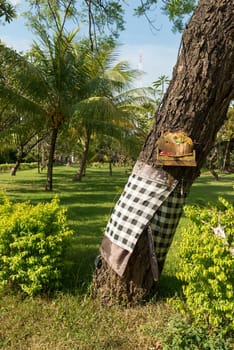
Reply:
x=70, y=320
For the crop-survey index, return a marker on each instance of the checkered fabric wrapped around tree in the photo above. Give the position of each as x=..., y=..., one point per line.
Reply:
x=145, y=201
x=151, y=200
x=165, y=221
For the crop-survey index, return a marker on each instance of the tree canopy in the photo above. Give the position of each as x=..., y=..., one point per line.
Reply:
x=106, y=18
x=7, y=11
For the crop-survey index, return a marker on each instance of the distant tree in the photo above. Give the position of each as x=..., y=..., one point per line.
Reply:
x=20, y=115
x=25, y=136
x=68, y=71
x=160, y=86
x=221, y=156
x=226, y=137
x=53, y=57
x=104, y=106
x=54, y=64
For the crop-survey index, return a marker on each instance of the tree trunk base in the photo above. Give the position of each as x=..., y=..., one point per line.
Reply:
x=112, y=289
x=134, y=287
x=13, y=172
x=77, y=178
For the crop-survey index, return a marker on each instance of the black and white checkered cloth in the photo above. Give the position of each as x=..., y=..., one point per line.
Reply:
x=165, y=221
x=145, y=200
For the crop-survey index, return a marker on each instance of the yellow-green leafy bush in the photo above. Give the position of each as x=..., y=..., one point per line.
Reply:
x=32, y=241
x=207, y=264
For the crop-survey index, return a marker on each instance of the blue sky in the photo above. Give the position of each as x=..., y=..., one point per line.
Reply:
x=154, y=53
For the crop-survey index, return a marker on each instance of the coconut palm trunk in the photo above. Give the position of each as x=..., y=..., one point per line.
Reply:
x=49, y=180
x=81, y=171
x=196, y=103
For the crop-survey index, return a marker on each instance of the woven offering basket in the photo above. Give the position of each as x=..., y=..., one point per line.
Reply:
x=175, y=144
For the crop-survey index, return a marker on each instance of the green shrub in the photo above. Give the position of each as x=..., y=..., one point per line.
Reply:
x=181, y=334
x=207, y=265
x=23, y=166
x=32, y=241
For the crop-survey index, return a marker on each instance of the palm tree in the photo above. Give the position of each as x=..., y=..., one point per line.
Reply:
x=42, y=84
x=53, y=58
x=15, y=73
x=104, y=106
x=20, y=114
x=160, y=87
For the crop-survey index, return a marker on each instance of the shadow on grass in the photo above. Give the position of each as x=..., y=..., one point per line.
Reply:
x=207, y=190
x=168, y=286
x=78, y=269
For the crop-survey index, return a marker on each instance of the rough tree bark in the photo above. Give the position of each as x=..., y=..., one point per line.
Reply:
x=196, y=101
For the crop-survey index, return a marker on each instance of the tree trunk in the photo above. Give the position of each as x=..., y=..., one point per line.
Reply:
x=19, y=160
x=110, y=166
x=196, y=102
x=49, y=181
x=81, y=171
x=226, y=157
x=15, y=167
